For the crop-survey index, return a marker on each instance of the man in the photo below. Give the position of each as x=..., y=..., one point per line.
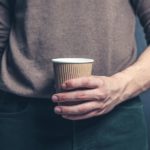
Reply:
x=110, y=117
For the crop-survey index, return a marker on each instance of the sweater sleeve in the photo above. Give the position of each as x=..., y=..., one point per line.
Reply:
x=142, y=9
x=5, y=23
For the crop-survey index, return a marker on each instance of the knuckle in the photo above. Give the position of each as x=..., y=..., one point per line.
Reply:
x=103, y=92
x=96, y=98
x=62, y=97
x=69, y=83
x=103, y=95
x=81, y=96
x=95, y=106
x=90, y=78
x=64, y=110
x=86, y=81
x=102, y=106
x=80, y=110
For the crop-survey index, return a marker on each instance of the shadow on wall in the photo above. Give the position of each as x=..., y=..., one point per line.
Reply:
x=141, y=44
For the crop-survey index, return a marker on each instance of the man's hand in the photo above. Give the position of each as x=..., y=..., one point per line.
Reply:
x=97, y=95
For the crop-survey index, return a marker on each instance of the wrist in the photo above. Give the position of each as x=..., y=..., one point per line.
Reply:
x=130, y=84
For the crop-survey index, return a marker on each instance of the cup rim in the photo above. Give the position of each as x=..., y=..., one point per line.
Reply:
x=72, y=60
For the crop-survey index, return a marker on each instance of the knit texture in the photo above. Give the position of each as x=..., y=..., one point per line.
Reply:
x=35, y=31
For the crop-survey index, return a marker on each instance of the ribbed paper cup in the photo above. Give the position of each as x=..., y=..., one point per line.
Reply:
x=69, y=68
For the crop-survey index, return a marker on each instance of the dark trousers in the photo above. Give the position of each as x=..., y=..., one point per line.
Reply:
x=31, y=124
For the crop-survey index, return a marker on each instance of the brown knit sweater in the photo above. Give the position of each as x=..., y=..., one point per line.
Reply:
x=32, y=32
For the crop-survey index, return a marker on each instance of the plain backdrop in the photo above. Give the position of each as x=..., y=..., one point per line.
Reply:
x=141, y=44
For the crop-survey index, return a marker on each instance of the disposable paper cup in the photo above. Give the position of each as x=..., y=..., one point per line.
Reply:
x=69, y=68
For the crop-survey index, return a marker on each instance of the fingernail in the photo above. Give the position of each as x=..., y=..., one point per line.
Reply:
x=57, y=110
x=54, y=98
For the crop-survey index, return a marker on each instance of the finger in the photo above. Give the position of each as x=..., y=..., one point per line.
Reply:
x=78, y=109
x=84, y=95
x=83, y=116
x=82, y=82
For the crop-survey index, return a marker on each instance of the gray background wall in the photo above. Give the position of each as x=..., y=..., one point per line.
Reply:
x=146, y=95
